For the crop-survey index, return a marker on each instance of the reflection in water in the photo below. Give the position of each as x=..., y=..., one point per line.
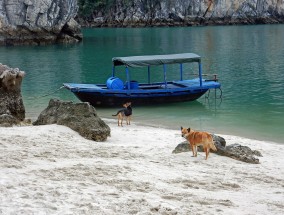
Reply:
x=188, y=113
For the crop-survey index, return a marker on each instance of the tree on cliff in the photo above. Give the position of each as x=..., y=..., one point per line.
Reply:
x=87, y=7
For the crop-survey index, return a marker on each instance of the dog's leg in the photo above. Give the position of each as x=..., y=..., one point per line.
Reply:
x=206, y=151
x=119, y=119
x=192, y=149
x=122, y=121
x=196, y=151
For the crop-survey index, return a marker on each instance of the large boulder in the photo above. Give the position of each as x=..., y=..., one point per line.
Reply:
x=38, y=22
x=80, y=117
x=7, y=120
x=242, y=153
x=235, y=151
x=219, y=141
x=11, y=102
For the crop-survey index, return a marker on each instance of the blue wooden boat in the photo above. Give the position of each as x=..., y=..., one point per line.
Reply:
x=115, y=92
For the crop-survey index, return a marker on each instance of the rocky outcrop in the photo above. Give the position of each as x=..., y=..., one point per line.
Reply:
x=187, y=13
x=12, y=110
x=235, y=151
x=38, y=22
x=7, y=120
x=80, y=117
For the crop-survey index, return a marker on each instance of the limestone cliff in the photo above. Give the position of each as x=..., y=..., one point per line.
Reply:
x=38, y=22
x=187, y=12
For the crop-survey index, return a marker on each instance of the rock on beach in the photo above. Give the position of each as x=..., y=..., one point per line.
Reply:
x=81, y=117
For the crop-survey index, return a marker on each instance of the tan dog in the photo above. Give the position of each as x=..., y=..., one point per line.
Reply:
x=196, y=138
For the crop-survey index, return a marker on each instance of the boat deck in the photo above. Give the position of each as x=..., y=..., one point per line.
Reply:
x=193, y=83
x=196, y=83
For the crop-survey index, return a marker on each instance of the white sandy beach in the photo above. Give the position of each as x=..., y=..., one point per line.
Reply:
x=53, y=170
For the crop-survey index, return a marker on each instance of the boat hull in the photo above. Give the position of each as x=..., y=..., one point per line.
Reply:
x=111, y=100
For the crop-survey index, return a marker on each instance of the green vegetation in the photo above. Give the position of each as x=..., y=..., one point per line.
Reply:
x=87, y=7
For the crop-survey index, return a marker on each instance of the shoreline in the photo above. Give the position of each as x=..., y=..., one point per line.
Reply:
x=101, y=22
x=230, y=134
x=34, y=115
x=51, y=169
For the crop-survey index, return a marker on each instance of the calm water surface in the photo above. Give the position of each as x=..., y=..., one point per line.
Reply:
x=249, y=61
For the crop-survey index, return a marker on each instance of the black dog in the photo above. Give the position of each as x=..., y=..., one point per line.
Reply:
x=125, y=112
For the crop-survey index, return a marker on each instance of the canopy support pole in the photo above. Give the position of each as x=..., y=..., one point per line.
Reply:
x=165, y=75
x=113, y=71
x=149, y=75
x=200, y=74
x=181, y=71
x=128, y=77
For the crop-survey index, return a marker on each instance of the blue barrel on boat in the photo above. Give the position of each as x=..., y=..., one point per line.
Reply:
x=133, y=85
x=114, y=83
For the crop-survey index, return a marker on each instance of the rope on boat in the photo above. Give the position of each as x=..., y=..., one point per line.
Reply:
x=220, y=97
x=47, y=94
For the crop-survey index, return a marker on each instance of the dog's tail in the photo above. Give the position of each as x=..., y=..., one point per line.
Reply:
x=212, y=146
x=115, y=114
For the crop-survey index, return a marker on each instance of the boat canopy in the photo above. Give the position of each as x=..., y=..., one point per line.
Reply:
x=148, y=60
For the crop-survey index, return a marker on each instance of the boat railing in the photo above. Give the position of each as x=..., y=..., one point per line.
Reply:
x=214, y=76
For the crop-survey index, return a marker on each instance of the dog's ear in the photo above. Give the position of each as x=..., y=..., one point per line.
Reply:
x=181, y=127
x=188, y=130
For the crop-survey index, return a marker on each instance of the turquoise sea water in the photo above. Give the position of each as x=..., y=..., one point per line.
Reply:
x=249, y=61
